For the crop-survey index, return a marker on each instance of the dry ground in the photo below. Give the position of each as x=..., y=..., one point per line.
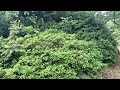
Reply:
x=112, y=72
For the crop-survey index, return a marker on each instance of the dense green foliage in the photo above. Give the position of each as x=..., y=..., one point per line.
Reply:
x=5, y=19
x=68, y=45
x=88, y=28
x=53, y=54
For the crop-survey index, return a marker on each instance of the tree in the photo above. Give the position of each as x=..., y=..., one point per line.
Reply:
x=5, y=18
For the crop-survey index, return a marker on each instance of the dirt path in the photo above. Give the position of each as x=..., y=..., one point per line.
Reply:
x=112, y=72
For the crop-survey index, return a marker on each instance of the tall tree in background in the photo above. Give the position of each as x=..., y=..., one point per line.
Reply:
x=5, y=18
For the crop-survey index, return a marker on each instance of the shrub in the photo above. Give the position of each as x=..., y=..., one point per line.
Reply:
x=55, y=55
x=86, y=27
x=78, y=47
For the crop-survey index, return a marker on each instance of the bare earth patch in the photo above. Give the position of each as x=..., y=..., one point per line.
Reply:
x=112, y=72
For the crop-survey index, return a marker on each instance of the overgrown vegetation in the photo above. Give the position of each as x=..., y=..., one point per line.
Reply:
x=56, y=45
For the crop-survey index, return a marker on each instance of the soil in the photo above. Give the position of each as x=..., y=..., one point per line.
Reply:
x=112, y=72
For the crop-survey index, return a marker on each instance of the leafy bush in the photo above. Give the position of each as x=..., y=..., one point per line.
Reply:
x=20, y=30
x=55, y=55
x=78, y=47
x=86, y=27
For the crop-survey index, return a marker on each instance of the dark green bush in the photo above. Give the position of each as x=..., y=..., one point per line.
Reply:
x=86, y=27
x=55, y=55
x=78, y=47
